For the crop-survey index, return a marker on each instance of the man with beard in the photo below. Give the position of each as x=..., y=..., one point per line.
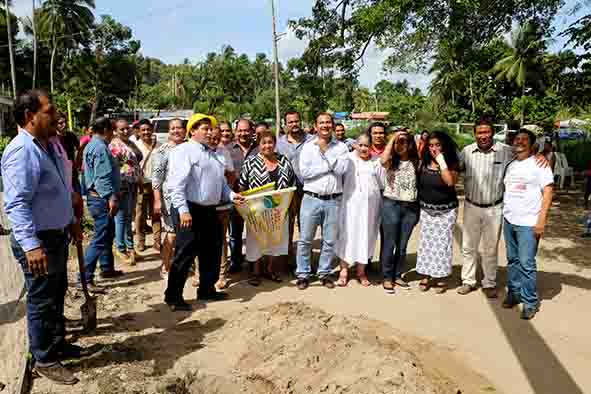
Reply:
x=484, y=163
x=38, y=203
x=290, y=146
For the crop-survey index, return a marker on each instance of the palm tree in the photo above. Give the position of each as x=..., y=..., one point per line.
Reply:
x=526, y=53
x=62, y=20
x=10, y=50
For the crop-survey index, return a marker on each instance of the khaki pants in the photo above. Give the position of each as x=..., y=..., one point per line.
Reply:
x=143, y=209
x=481, y=224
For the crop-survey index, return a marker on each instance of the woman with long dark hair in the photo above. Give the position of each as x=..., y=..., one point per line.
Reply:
x=438, y=175
x=400, y=212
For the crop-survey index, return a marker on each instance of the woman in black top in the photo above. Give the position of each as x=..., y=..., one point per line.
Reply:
x=438, y=176
x=259, y=170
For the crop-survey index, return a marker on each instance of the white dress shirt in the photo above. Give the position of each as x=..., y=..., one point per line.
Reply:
x=322, y=173
x=196, y=174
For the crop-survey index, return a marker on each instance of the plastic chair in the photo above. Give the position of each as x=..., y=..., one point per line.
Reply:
x=562, y=170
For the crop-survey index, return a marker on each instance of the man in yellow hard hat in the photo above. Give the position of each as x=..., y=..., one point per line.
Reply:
x=197, y=185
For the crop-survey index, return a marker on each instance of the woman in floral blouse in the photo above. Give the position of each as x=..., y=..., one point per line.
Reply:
x=128, y=156
x=162, y=202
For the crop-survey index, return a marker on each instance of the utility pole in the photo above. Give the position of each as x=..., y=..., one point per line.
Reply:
x=10, y=50
x=34, y=23
x=276, y=38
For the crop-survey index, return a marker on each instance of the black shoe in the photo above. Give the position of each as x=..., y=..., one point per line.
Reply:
x=328, y=283
x=302, y=284
x=510, y=301
x=179, y=306
x=213, y=296
x=111, y=274
x=70, y=351
x=57, y=373
x=528, y=313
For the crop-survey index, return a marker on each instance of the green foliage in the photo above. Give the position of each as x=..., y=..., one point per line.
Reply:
x=4, y=141
x=578, y=153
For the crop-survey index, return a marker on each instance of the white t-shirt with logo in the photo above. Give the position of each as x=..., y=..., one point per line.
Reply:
x=524, y=183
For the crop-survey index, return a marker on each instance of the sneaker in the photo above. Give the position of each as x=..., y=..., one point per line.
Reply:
x=388, y=286
x=402, y=283
x=57, y=373
x=490, y=292
x=328, y=283
x=528, y=313
x=510, y=301
x=111, y=274
x=302, y=284
x=466, y=289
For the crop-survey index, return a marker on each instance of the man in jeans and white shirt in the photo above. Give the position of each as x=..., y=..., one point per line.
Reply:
x=483, y=163
x=322, y=163
x=528, y=197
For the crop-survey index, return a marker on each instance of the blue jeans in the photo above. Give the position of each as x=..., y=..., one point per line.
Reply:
x=236, y=230
x=45, y=297
x=398, y=221
x=313, y=213
x=522, y=247
x=101, y=246
x=124, y=218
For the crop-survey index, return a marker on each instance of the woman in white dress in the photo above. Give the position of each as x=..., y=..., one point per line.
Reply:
x=360, y=212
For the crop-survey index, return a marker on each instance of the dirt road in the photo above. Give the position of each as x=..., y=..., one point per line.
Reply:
x=467, y=340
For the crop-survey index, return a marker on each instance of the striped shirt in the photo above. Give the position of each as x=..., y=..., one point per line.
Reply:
x=483, y=177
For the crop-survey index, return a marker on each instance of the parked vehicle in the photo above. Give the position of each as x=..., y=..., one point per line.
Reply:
x=161, y=127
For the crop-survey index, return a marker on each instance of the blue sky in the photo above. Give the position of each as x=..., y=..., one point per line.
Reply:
x=176, y=29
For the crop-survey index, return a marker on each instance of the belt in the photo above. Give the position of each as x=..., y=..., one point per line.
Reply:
x=494, y=204
x=323, y=197
x=52, y=233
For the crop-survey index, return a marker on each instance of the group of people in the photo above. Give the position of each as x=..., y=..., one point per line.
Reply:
x=382, y=184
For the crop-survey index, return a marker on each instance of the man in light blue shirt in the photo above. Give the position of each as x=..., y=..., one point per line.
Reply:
x=290, y=145
x=101, y=182
x=322, y=162
x=197, y=185
x=38, y=204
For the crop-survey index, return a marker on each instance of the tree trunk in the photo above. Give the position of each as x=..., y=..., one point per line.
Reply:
x=95, y=105
x=10, y=50
x=33, y=23
x=472, y=96
x=522, y=115
x=52, y=62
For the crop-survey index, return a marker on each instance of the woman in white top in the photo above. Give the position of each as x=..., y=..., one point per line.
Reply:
x=360, y=211
x=400, y=212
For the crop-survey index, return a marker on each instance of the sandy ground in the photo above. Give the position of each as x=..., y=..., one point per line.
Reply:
x=346, y=340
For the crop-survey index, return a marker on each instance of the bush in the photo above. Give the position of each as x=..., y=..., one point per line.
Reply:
x=4, y=141
x=578, y=153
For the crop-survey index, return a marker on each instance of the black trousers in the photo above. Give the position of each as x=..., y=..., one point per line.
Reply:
x=204, y=241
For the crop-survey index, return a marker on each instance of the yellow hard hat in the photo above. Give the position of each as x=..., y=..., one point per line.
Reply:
x=196, y=118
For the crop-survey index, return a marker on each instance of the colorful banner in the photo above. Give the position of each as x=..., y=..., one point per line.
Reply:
x=265, y=214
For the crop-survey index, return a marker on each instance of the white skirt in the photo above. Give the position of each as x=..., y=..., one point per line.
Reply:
x=254, y=251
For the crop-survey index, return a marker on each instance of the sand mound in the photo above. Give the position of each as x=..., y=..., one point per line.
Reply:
x=292, y=348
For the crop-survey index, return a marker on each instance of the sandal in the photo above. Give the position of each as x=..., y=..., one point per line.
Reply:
x=440, y=288
x=254, y=280
x=273, y=277
x=364, y=281
x=343, y=279
x=424, y=285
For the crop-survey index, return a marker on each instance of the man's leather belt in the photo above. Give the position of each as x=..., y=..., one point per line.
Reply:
x=325, y=197
x=494, y=204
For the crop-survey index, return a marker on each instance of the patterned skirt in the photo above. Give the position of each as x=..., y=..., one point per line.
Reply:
x=434, y=256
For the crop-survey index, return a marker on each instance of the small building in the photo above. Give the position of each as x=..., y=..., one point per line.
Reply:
x=372, y=116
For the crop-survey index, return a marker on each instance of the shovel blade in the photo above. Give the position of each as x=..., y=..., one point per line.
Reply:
x=88, y=312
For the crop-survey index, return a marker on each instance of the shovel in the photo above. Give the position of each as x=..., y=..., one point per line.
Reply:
x=88, y=309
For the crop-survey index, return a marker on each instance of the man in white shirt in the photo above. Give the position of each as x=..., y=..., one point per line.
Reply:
x=322, y=163
x=528, y=197
x=145, y=201
x=197, y=185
